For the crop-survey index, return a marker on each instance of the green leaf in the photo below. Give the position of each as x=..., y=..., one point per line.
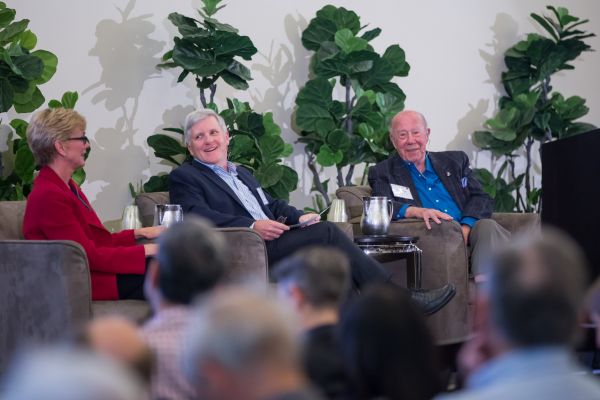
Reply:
x=69, y=99
x=545, y=25
x=231, y=45
x=210, y=6
x=316, y=92
x=318, y=31
x=370, y=35
x=79, y=176
x=239, y=146
x=327, y=51
x=7, y=15
x=271, y=128
x=234, y=81
x=308, y=116
x=28, y=66
x=24, y=164
x=165, y=145
x=327, y=157
x=348, y=42
x=157, y=183
x=20, y=127
x=28, y=40
x=388, y=103
x=50, y=62
x=12, y=30
x=240, y=70
x=187, y=26
x=270, y=147
x=268, y=175
x=6, y=95
x=341, y=17
x=37, y=99
x=338, y=139
x=288, y=149
x=395, y=56
x=381, y=73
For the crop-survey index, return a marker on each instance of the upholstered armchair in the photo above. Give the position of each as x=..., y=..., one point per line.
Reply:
x=444, y=259
x=248, y=254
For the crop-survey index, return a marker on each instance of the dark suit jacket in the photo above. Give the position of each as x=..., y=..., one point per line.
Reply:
x=452, y=167
x=54, y=212
x=201, y=191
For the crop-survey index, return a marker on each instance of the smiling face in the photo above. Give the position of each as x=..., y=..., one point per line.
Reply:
x=410, y=135
x=208, y=142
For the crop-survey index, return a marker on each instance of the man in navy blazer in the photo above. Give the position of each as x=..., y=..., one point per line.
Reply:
x=436, y=186
x=229, y=196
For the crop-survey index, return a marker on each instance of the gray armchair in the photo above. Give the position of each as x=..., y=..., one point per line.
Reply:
x=444, y=260
x=248, y=254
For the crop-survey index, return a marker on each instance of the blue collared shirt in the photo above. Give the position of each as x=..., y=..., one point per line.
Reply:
x=433, y=193
x=230, y=177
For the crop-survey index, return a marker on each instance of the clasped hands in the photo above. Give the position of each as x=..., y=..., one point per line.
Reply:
x=271, y=230
x=151, y=232
x=431, y=214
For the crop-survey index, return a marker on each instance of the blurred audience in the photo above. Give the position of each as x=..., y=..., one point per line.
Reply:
x=191, y=260
x=118, y=338
x=526, y=319
x=69, y=374
x=242, y=346
x=315, y=281
x=593, y=308
x=387, y=347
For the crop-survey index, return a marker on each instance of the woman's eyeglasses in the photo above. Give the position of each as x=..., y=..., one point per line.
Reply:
x=83, y=138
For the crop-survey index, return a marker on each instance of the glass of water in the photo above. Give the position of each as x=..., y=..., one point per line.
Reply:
x=167, y=214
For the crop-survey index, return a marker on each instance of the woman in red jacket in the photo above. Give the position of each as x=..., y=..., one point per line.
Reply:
x=58, y=210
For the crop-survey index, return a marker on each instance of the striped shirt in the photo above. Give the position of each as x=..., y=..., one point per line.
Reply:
x=230, y=177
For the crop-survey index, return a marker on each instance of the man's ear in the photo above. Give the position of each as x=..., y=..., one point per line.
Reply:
x=297, y=295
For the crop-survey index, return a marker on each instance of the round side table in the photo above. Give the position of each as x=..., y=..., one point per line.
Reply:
x=391, y=248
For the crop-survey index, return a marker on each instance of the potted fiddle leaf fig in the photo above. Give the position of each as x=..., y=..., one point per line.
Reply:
x=532, y=112
x=352, y=129
x=22, y=71
x=210, y=52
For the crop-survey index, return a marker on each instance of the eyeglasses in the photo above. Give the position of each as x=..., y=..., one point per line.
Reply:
x=83, y=139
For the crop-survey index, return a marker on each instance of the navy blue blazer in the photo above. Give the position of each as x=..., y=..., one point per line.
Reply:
x=452, y=167
x=201, y=191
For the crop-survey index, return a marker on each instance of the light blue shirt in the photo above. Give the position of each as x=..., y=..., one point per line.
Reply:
x=230, y=177
x=535, y=373
x=433, y=193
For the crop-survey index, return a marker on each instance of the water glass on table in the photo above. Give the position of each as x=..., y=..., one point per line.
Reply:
x=167, y=214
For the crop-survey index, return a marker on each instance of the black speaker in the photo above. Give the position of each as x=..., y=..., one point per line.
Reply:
x=571, y=191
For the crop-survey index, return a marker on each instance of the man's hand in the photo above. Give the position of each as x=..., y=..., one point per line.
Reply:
x=312, y=217
x=150, y=249
x=472, y=355
x=427, y=214
x=269, y=230
x=466, y=229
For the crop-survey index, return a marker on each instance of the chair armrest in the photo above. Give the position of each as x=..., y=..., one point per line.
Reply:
x=44, y=292
x=517, y=223
x=247, y=254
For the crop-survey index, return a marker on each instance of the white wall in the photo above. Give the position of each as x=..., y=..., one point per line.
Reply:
x=107, y=51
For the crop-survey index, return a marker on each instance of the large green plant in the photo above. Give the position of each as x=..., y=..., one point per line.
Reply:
x=531, y=112
x=21, y=68
x=16, y=183
x=208, y=50
x=350, y=129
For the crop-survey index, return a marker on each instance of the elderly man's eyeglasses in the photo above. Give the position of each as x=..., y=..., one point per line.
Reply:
x=84, y=139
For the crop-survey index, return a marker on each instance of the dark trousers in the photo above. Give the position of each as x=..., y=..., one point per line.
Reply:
x=364, y=269
x=131, y=286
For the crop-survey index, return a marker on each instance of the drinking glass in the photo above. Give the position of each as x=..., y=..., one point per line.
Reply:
x=167, y=214
x=337, y=213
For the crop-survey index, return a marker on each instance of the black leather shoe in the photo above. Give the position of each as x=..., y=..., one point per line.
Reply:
x=431, y=301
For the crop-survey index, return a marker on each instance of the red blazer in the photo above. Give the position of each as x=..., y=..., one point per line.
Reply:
x=54, y=212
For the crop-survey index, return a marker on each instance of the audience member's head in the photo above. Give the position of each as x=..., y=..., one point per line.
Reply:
x=241, y=345
x=534, y=292
x=387, y=347
x=118, y=338
x=69, y=374
x=314, y=279
x=191, y=259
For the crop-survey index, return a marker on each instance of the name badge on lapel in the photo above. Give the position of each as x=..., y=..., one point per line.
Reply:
x=262, y=196
x=401, y=191
x=464, y=182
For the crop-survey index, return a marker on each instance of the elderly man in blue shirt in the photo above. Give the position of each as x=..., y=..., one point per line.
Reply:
x=435, y=186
